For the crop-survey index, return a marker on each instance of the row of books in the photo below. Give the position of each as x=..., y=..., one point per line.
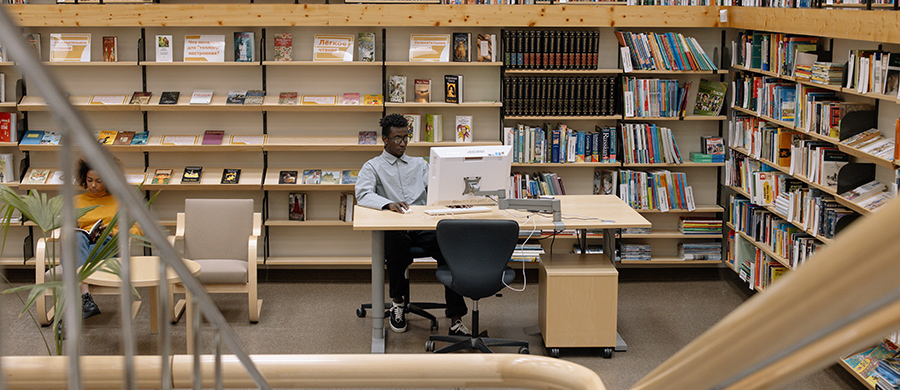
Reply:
x=319, y=176
x=782, y=237
x=649, y=144
x=879, y=365
x=705, y=250
x=767, y=96
x=699, y=225
x=663, y=51
x=667, y=98
x=762, y=140
x=560, y=96
x=238, y=97
x=397, y=90
x=869, y=196
x=551, y=49
x=297, y=206
x=560, y=144
x=756, y=267
x=873, y=71
x=656, y=189
x=534, y=185
x=634, y=252
x=772, y=52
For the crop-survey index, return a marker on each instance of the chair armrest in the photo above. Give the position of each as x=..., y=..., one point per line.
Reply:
x=179, y=225
x=257, y=224
x=252, y=256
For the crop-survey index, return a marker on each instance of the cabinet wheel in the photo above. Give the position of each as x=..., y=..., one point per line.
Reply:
x=524, y=351
x=429, y=345
x=361, y=312
x=434, y=325
x=607, y=353
x=554, y=352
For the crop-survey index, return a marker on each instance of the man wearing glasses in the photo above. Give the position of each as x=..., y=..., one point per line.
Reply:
x=393, y=181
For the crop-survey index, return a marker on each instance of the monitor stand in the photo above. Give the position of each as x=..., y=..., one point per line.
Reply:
x=534, y=205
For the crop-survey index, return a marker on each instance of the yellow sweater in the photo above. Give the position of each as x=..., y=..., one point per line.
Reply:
x=109, y=206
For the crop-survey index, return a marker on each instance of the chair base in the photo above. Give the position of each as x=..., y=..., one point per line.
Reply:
x=482, y=344
x=417, y=308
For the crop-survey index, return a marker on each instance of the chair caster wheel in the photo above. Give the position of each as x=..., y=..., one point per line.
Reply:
x=434, y=325
x=429, y=346
x=607, y=353
x=524, y=351
x=361, y=313
x=554, y=352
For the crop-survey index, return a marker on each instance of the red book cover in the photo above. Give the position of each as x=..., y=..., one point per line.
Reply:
x=5, y=126
x=213, y=137
x=896, y=140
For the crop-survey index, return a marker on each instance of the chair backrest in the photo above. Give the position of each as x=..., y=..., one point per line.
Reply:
x=477, y=252
x=217, y=228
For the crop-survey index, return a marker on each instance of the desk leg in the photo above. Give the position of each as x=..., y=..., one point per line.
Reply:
x=154, y=309
x=189, y=321
x=377, y=291
x=609, y=241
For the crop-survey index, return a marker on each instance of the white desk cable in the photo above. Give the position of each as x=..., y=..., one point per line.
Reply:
x=522, y=247
x=587, y=217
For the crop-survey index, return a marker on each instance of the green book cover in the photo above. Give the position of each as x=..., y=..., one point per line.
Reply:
x=710, y=96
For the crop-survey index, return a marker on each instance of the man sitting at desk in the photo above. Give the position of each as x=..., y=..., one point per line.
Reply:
x=393, y=181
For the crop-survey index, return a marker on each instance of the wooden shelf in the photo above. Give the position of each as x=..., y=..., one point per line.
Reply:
x=562, y=71
x=855, y=374
x=271, y=104
x=7, y=63
x=763, y=246
x=676, y=118
x=887, y=163
x=701, y=72
x=210, y=179
x=697, y=209
x=34, y=103
x=686, y=164
x=771, y=209
x=291, y=143
x=16, y=262
x=8, y=106
x=441, y=64
x=323, y=63
x=317, y=262
x=563, y=118
x=53, y=148
x=670, y=261
x=321, y=223
x=92, y=63
x=671, y=234
x=154, y=144
x=184, y=104
x=446, y=105
x=201, y=63
x=567, y=165
x=307, y=187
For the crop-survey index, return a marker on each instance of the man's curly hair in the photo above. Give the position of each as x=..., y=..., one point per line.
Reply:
x=392, y=120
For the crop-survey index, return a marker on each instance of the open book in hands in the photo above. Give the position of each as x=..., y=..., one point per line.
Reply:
x=94, y=232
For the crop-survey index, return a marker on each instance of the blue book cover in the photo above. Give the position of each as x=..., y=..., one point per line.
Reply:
x=588, y=147
x=654, y=138
x=676, y=52
x=32, y=137
x=140, y=138
x=243, y=47
x=604, y=144
x=612, y=145
x=598, y=156
x=579, y=146
x=554, y=146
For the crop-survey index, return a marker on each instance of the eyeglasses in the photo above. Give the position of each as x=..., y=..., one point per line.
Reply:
x=400, y=139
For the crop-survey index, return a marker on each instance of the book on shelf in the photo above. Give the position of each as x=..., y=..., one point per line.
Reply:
x=349, y=176
x=140, y=138
x=464, y=128
x=34, y=41
x=9, y=131
x=254, y=97
x=423, y=91
x=350, y=99
x=414, y=127
x=365, y=47
x=140, y=97
x=110, y=49
x=107, y=99
x=248, y=139
x=287, y=177
x=201, y=96
x=462, y=47
x=330, y=177
x=374, y=100
x=212, y=137
x=345, y=212
x=55, y=178
x=234, y=97
x=124, y=138
x=163, y=48
x=2, y=87
x=244, y=46
x=698, y=157
x=178, y=140
x=429, y=47
x=433, y=130
x=605, y=181
x=107, y=137
x=284, y=47
x=710, y=96
x=51, y=138
x=486, y=44
x=333, y=47
x=830, y=164
x=162, y=176
x=318, y=100
x=169, y=97
x=713, y=145
x=191, y=174
x=287, y=98
x=7, y=173
x=70, y=47
x=37, y=176
x=231, y=176
x=864, y=191
x=367, y=137
x=32, y=137
x=204, y=48
x=892, y=76
x=312, y=176
x=397, y=89
x=453, y=88
x=297, y=206
x=135, y=178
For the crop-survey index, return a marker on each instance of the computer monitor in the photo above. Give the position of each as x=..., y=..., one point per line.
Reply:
x=456, y=171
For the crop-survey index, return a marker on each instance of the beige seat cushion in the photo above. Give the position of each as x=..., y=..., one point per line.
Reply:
x=47, y=275
x=222, y=271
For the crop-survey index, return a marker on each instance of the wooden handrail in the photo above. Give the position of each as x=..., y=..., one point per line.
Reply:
x=306, y=371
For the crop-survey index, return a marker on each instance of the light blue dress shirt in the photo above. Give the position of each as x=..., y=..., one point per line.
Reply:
x=388, y=179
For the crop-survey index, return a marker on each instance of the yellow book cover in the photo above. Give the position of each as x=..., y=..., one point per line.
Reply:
x=107, y=137
x=70, y=47
x=374, y=100
x=108, y=99
x=429, y=47
x=248, y=139
x=333, y=47
x=318, y=100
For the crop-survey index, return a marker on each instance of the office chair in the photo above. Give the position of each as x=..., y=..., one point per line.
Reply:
x=417, y=308
x=477, y=252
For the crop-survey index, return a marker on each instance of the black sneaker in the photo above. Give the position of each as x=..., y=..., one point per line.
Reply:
x=60, y=332
x=398, y=318
x=459, y=329
x=88, y=307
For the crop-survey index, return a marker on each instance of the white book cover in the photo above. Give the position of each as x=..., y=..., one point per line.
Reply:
x=204, y=48
x=7, y=174
x=163, y=48
x=333, y=47
x=70, y=47
x=464, y=128
x=429, y=47
x=201, y=96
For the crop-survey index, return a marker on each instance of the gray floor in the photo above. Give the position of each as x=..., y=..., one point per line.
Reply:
x=313, y=312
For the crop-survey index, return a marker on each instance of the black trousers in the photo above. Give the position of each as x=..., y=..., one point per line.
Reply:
x=398, y=258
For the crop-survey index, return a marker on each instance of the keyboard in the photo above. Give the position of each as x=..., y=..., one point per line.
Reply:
x=454, y=211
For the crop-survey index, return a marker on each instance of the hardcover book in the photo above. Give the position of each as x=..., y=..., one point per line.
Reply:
x=284, y=47
x=318, y=100
x=350, y=99
x=297, y=206
x=463, y=128
x=8, y=127
x=486, y=48
x=287, y=177
x=287, y=98
x=452, y=88
x=423, y=91
x=201, y=96
x=162, y=176
x=204, y=48
x=231, y=175
x=170, y=97
x=110, y=49
x=212, y=137
x=461, y=47
x=234, y=97
x=333, y=47
x=139, y=97
x=374, y=100
x=107, y=137
x=712, y=145
x=6, y=168
x=163, y=48
x=32, y=137
x=414, y=127
x=107, y=99
x=397, y=89
x=70, y=47
x=330, y=177
x=710, y=96
x=312, y=176
x=51, y=138
x=124, y=138
x=367, y=138
x=349, y=176
x=38, y=176
x=140, y=138
x=365, y=47
x=243, y=46
x=254, y=97
x=191, y=174
x=433, y=129
x=429, y=47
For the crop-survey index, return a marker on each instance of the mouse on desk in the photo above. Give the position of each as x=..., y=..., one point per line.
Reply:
x=406, y=210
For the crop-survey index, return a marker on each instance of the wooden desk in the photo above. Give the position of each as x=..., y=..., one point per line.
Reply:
x=579, y=212
x=144, y=273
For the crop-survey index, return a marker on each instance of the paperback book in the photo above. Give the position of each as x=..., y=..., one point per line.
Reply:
x=350, y=99
x=140, y=138
x=367, y=138
x=318, y=100
x=486, y=44
x=243, y=46
x=464, y=128
x=414, y=126
x=397, y=89
x=124, y=138
x=70, y=47
x=453, y=88
x=284, y=47
x=330, y=177
x=312, y=176
x=191, y=174
x=202, y=96
x=345, y=212
x=139, y=97
x=231, y=175
x=461, y=47
x=107, y=137
x=6, y=168
x=162, y=176
x=423, y=91
x=433, y=128
x=349, y=176
x=297, y=206
x=710, y=96
x=38, y=176
x=254, y=97
x=429, y=47
x=8, y=127
x=170, y=97
x=204, y=48
x=365, y=47
x=163, y=48
x=374, y=100
x=287, y=177
x=110, y=49
x=333, y=47
x=51, y=138
x=32, y=137
x=234, y=97
x=212, y=137
x=287, y=98
x=107, y=99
